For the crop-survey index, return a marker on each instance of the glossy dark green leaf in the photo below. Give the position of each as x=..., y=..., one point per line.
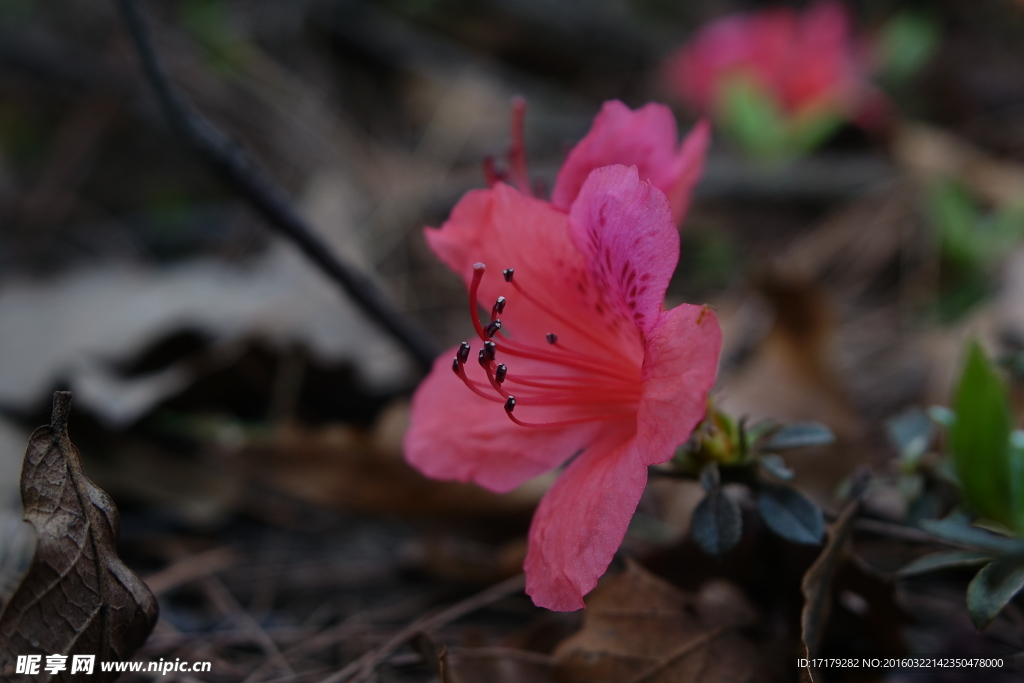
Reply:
x=957, y=529
x=955, y=559
x=774, y=465
x=800, y=434
x=717, y=524
x=993, y=587
x=789, y=514
x=980, y=438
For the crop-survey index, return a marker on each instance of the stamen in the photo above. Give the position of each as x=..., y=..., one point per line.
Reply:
x=551, y=337
x=508, y=273
x=492, y=328
x=461, y=372
x=500, y=372
x=498, y=308
x=463, y=353
x=564, y=320
x=576, y=360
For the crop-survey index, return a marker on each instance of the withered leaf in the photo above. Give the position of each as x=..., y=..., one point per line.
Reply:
x=637, y=627
x=77, y=597
x=816, y=584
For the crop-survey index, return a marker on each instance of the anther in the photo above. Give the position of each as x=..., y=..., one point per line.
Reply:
x=552, y=337
x=456, y=365
x=463, y=353
x=499, y=306
x=492, y=328
x=510, y=404
x=507, y=273
x=489, y=350
x=500, y=372
x=482, y=357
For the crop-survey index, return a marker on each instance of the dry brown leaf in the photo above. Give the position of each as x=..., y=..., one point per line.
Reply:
x=637, y=627
x=817, y=581
x=77, y=597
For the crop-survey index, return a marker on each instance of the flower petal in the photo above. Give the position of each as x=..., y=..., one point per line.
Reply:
x=645, y=138
x=680, y=366
x=503, y=228
x=582, y=520
x=455, y=434
x=624, y=228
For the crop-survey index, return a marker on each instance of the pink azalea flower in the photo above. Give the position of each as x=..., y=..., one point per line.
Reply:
x=807, y=62
x=645, y=138
x=578, y=357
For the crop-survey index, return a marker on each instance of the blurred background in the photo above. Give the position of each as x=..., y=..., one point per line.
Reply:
x=233, y=401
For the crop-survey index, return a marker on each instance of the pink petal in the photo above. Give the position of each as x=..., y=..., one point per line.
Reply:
x=503, y=228
x=645, y=138
x=582, y=520
x=689, y=169
x=680, y=367
x=624, y=228
x=455, y=434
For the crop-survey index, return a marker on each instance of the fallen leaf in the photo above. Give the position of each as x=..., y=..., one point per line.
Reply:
x=77, y=597
x=817, y=582
x=639, y=628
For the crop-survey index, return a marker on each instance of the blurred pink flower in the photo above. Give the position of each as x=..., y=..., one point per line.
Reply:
x=595, y=367
x=808, y=63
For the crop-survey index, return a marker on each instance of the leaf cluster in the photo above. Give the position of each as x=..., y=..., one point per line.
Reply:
x=728, y=452
x=988, y=459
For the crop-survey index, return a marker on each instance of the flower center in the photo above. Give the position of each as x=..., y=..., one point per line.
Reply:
x=593, y=387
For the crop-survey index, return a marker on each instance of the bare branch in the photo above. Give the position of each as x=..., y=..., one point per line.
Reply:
x=231, y=163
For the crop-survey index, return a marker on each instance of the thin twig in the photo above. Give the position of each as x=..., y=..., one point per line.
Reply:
x=236, y=169
x=364, y=666
x=191, y=568
x=226, y=603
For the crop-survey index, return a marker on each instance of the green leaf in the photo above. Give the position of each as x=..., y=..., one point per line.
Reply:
x=956, y=217
x=957, y=529
x=993, y=587
x=789, y=514
x=946, y=560
x=800, y=434
x=774, y=465
x=750, y=115
x=906, y=42
x=980, y=438
x=717, y=524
